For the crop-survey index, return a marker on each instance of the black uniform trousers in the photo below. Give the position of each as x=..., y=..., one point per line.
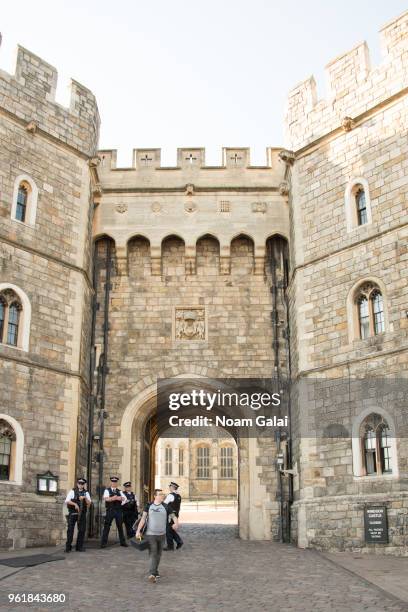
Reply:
x=72, y=519
x=172, y=535
x=113, y=513
x=129, y=518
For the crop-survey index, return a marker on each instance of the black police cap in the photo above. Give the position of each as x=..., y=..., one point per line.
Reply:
x=174, y=484
x=114, y=478
x=81, y=481
x=127, y=484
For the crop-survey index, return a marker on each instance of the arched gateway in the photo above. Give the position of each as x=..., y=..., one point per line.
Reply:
x=139, y=433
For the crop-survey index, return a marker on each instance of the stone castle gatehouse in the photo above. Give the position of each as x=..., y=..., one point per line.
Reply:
x=111, y=278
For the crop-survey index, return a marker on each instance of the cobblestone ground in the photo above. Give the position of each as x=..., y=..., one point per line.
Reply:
x=214, y=570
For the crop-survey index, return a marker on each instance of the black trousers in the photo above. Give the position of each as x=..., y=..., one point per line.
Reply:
x=129, y=517
x=72, y=519
x=172, y=535
x=113, y=513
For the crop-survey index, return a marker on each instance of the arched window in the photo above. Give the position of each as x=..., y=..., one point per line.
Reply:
x=203, y=461
x=3, y=306
x=168, y=461
x=7, y=450
x=13, y=321
x=378, y=311
x=22, y=198
x=25, y=197
x=358, y=204
x=376, y=445
x=227, y=467
x=361, y=206
x=370, y=310
x=181, y=461
x=10, y=311
x=369, y=451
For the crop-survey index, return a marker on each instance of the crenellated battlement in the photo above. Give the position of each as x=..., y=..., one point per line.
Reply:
x=29, y=95
x=147, y=172
x=191, y=158
x=353, y=87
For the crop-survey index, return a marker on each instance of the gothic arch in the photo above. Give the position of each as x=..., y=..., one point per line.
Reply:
x=25, y=317
x=19, y=452
x=352, y=319
x=32, y=199
x=355, y=440
x=136, y=415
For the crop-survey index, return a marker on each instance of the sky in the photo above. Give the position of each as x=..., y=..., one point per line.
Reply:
x=202, y=73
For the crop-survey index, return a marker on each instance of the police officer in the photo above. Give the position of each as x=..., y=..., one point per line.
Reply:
x=77, y=502
x=129, y=509
x=173, y=500
x=114, y=498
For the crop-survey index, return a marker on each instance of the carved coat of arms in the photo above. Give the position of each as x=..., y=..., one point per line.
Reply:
x=190, y=324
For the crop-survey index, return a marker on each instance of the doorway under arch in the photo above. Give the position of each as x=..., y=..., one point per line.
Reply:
x=204, y=463
x=140, y=431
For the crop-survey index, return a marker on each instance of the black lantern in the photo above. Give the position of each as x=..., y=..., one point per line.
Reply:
x=47, y=484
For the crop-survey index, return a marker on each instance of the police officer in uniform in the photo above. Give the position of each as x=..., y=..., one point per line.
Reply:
x=129, y=509
x=173, y=500
x=77, y=502
x=114, y=498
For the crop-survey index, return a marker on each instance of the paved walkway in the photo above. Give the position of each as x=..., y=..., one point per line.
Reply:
x=213, y=571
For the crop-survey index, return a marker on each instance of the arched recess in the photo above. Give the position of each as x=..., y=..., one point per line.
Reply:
x=173, y=256
x=25, y=316
x=138, y=256
x=207, y=255
x=104, y=251
x=277, y=256
x=18, y=452
x=242, y=255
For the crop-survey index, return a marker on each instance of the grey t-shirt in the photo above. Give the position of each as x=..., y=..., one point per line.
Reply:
x=157, y=520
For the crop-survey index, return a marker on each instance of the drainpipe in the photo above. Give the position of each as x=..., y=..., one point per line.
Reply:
x=289, y=387
x=91, y=398
x=103, y=372
x=275, y=323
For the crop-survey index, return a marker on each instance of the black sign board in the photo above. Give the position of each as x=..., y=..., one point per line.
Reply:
x=375, y=525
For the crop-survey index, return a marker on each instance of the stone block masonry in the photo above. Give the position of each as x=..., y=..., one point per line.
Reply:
x=45, y=388
x=358, y=135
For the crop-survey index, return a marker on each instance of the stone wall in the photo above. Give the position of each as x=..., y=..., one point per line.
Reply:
x=189, y=238
x=45, y=387
x=330, y=258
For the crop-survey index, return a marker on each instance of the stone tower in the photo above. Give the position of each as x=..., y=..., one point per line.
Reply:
x=349, y=294
x=45, y=293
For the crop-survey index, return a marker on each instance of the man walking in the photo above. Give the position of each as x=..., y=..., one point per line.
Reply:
x=156, y=514
x=129, y=509
x=78, y=500
x=114, y=498
x=173, y=500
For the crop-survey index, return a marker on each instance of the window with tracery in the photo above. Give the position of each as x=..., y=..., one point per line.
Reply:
x=10, y=315
x=375, y=436
x=370, y=310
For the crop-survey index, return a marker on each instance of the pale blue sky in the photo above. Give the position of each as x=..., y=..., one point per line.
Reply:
x=173, y=73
